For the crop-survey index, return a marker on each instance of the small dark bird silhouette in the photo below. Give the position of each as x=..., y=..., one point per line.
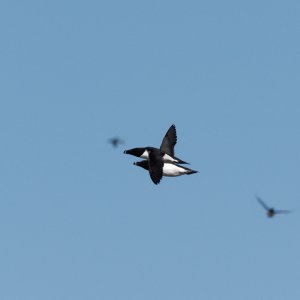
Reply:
x=270, y=210
x=116, y=141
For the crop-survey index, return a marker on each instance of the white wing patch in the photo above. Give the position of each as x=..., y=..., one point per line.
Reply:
x=145, y=155
x=167, y=157
x=171, y=170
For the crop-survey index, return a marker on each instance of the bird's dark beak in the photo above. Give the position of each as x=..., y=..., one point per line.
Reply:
x=125, y=152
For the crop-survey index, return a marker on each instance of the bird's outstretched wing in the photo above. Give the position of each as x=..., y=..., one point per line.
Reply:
x=143, y=164
x=169, y=141
x=282, y=211
x=156, y=164
x=263, y=204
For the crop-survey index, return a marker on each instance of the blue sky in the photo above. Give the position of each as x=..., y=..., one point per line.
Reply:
x=78, y=220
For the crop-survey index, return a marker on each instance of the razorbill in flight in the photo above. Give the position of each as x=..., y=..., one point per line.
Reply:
x=271, y=211
x=168, y=169
x=166, y=148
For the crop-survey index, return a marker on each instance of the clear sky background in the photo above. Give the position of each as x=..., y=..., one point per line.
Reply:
x=78, y=220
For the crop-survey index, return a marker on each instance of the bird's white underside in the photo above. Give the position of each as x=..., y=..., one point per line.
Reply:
x=171, y=170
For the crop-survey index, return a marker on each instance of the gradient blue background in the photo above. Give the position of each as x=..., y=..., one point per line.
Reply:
x=78, y=220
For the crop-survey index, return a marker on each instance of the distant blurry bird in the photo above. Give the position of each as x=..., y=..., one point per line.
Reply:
x=271, y=211
x=116, y=141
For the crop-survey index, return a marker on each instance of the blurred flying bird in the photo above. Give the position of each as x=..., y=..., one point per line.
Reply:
x=269, y=210
x=116, y=141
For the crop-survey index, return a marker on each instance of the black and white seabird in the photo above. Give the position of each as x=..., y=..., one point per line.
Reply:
x=271, y=211
x=168, y=169
x=166, y=148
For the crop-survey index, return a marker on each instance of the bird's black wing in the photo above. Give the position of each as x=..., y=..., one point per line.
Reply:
x=263, y=204
x=169, y=141
x=156, y=164
x=143, y=164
